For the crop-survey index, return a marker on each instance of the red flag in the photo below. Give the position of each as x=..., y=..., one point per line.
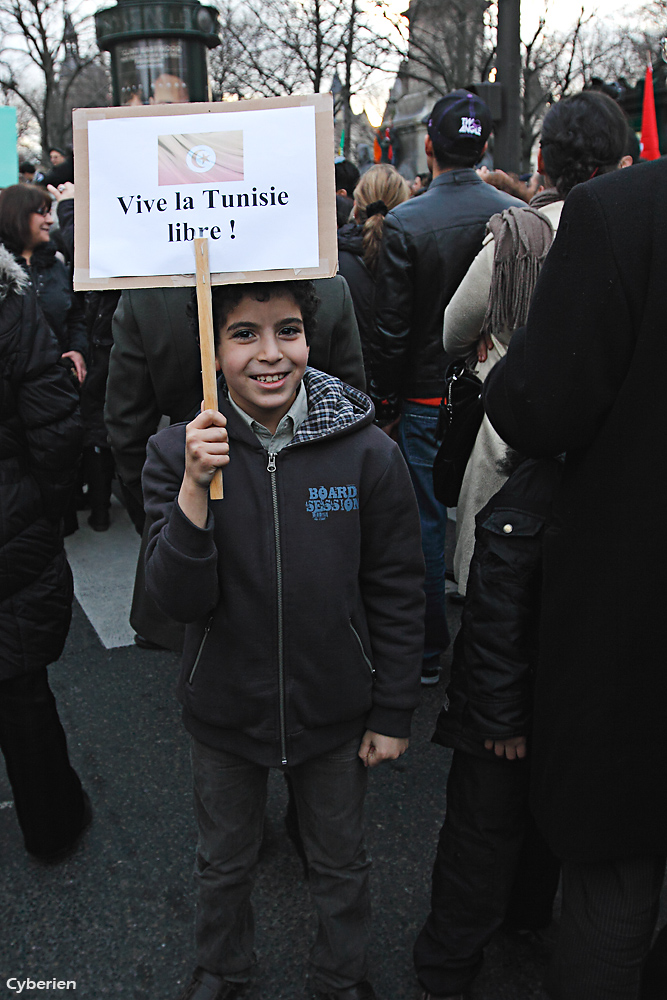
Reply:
x=650, y=146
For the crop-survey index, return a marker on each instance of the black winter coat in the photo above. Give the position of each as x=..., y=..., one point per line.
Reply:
x=490, y=694
x=362, y=283
x=587, y=377
x=40, y=439
x=428, y=244
x=62, y=307
x=304, y=593
x=99, y=309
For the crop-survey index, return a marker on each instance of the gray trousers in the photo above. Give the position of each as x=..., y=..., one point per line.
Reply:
x=230, y=800
x=608, y=918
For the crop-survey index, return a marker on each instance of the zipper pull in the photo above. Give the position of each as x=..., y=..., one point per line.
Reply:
x=271, y=467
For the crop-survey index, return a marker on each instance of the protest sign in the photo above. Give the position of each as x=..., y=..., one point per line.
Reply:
x=255, y=178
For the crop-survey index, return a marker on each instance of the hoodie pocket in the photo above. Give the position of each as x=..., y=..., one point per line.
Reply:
x=362, y=650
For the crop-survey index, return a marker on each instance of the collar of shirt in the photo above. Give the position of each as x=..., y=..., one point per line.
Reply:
x=287, y=427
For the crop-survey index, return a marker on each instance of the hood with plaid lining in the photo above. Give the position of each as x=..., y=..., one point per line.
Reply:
x=333, y=407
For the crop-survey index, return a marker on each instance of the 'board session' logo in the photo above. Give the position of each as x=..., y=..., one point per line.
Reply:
x=324, y=500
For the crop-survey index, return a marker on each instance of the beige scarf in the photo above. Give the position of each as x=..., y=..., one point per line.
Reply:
x=522, y=238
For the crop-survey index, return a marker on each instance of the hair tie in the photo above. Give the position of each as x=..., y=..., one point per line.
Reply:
x=376, y=207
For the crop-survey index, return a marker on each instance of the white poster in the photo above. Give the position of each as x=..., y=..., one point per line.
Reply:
x=246, y=180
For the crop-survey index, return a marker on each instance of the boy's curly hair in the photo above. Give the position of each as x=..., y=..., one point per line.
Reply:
x=227, y=297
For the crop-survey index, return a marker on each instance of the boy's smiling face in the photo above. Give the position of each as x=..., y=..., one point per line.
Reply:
x=262, y=352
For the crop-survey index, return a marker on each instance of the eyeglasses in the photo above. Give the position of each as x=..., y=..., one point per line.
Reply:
x=44, y=210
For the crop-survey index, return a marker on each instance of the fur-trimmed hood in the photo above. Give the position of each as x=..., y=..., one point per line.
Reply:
x=13, y=278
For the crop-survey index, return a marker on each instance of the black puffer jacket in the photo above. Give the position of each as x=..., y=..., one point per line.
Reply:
x=362, y=283
x=40, y=439
x=490, y=693
x=61, y=306
x=428, y=244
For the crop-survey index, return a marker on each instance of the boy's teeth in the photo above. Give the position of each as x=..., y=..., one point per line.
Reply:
x=269, y=378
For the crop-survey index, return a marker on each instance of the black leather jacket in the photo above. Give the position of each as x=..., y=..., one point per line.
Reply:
x=428, y=245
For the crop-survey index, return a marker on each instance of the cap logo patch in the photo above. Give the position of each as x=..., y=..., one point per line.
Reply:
x=470, y=126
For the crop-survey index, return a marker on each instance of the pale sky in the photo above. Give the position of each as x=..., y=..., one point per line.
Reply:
x=561, y=14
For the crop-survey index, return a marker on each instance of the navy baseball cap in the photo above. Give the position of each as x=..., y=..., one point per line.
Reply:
x=459, y=123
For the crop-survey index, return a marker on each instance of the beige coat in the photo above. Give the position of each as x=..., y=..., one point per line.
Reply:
x=463, y=322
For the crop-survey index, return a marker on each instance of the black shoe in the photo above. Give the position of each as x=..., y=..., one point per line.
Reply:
x=143, y=643
x=70, y=522
x=450, y=996
x=205, y=986
x=99, y=519
x=361, y=991
x=63, y=853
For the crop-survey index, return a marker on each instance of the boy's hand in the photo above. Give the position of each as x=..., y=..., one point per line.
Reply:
x=206, y=451
x=376, y=748
x=206, y=447
x=513, y=748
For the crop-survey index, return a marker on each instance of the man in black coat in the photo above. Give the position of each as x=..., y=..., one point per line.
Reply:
x=428, y=244
x=586, y=377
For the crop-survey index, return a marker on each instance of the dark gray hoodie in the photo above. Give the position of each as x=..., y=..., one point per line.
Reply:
x=303, y=594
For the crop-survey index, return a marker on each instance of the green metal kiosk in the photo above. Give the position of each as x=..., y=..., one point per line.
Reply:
x=158, y=50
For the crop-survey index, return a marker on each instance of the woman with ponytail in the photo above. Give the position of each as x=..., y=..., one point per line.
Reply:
x=379, y=190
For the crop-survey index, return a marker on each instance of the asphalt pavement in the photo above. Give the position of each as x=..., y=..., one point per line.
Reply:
x=117, y=918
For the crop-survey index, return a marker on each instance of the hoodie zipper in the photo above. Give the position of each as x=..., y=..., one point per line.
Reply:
x=207, y=629
x=271, y=469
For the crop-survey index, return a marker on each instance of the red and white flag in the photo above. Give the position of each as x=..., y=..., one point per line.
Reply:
x=650, y=145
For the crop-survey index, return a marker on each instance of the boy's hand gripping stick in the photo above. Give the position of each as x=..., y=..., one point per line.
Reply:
x=207, y=344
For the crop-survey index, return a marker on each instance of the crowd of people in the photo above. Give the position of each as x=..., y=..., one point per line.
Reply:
x=332, y=539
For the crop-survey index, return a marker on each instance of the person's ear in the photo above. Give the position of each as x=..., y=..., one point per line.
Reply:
x=217, y=364
x=540, y=162
x=625, y=161
x=428, y=145
x=343, y=191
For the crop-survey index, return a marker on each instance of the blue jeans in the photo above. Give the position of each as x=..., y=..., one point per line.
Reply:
x=417, y=441
x=230, y=798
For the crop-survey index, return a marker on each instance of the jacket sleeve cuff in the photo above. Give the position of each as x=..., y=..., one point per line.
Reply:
x=389, y=722
x=187, y=538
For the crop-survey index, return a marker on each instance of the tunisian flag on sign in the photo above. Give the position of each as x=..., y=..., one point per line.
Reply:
x=650, y=147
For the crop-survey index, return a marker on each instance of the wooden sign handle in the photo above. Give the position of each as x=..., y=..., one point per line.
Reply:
x=207, y=344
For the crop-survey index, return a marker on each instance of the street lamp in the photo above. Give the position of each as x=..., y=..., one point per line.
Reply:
x=158, y=50
x=507, y=142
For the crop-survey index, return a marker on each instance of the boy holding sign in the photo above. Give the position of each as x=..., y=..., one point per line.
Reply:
x=302, y=591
